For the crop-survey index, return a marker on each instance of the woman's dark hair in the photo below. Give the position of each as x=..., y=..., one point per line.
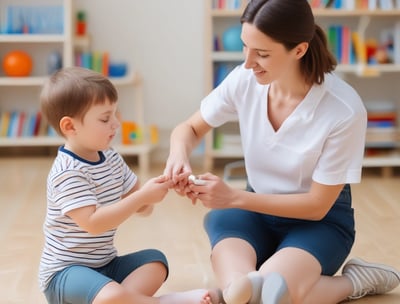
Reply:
x=291, y=22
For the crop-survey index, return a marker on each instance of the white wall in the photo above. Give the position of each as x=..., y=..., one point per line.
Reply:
x=161, y=39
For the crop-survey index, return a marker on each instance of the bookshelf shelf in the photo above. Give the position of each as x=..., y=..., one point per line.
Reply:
x=34, y=141
x=322, y=12
x=222, y=56
x=382, y=161
x=32, y=38
x=132, y=78
x=227, y=153
x=21, y=81
x=225, y=13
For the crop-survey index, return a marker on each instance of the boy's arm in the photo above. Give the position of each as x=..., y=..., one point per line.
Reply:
x=98, y=220
x=145, y=210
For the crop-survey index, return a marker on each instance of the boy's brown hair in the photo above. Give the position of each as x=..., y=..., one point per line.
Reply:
x=71, y=92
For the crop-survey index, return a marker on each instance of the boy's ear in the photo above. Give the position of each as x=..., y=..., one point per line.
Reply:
x=67, y=125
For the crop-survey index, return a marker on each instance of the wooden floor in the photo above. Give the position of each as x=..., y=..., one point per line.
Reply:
x=175, y=228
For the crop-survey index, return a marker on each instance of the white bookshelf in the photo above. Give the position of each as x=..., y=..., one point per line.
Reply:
x=217, y=19
x=66, y=43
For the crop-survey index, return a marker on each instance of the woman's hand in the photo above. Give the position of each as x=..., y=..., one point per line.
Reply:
x=184, y=138
x=215, y=193
x=178, y=170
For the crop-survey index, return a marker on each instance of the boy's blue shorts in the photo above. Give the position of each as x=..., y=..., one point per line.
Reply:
x=328, y=240
x=80, y=284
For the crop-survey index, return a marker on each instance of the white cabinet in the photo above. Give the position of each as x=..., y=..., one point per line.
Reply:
x=20, y=94
x=375, y=82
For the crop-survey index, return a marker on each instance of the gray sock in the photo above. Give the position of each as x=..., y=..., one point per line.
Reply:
x=274, y=290
x=256, y=280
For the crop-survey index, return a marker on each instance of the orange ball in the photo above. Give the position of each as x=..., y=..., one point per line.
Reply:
x=17, y=63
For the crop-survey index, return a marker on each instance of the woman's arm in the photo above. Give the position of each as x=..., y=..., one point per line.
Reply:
x=184, y=138
x=312, y=205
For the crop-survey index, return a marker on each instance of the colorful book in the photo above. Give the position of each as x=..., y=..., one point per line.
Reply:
x=13, y=124
x=5, y=122
x=359, y=48
x=346, y=45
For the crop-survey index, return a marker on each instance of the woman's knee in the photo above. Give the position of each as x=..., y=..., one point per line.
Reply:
x=300, y=270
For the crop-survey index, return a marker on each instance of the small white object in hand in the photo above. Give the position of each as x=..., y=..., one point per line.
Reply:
x=196, y=181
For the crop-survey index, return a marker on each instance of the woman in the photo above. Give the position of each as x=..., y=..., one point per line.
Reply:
x=303, y=132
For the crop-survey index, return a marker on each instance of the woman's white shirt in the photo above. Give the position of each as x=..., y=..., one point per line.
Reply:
x=323, y=139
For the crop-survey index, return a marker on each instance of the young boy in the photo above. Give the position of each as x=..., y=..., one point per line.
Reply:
x=90, y=192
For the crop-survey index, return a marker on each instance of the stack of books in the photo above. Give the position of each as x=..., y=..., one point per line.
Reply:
x=14, y=124
x=382, y=130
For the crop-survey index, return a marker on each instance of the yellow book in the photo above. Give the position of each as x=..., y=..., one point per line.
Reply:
x=5, y=123
x=359, y=48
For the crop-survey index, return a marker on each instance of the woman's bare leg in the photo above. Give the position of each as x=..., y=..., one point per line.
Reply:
x=232, y=259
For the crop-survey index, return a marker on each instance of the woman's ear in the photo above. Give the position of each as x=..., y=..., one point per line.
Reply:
x=67, y=126
x=301, y=49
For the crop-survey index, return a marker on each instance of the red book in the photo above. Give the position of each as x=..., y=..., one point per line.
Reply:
x=21, y=122
x=105, y=64
x=346, y=42
x=36, y=127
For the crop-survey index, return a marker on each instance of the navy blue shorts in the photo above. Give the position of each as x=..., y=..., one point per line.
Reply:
x=80, y=284
x=328, y=240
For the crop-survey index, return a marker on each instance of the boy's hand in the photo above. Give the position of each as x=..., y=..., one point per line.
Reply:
x=155, y=189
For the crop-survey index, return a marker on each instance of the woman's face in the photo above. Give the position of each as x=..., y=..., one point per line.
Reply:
x=268, y=59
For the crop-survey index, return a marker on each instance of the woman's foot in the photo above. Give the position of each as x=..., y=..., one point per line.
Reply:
x=369, y=278
x=274, y=290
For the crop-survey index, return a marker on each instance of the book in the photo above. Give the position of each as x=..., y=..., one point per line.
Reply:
x=396, y=42
x=13, y=124
x=386, y=4
x=37, y=121
x=5, y=122
x=346, y=45
x=21, y=123
x=359, y=48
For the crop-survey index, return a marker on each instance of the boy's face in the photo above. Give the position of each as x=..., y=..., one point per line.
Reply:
x=98, y=127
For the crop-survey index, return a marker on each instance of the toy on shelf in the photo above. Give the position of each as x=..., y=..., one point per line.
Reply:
x=54, y=62
x=231, y=39
x=132, y=133
x=80, y=23
x=153, y=134
x=100, y=62
x=17, y=64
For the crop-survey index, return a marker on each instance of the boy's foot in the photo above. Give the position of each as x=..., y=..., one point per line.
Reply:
x=369, y=278
x=215, y=296
x=239, y=291
x=246, y=289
